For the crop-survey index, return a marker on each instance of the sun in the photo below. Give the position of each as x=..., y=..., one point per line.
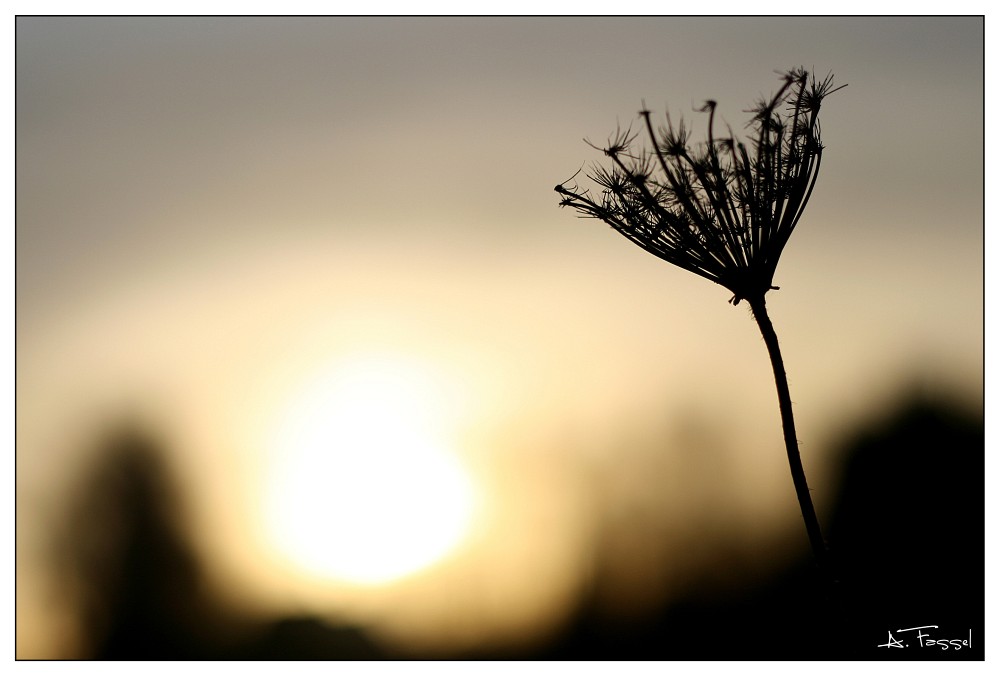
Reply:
x=363, y=487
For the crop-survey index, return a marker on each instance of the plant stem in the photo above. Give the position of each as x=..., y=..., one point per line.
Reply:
x=788, y=427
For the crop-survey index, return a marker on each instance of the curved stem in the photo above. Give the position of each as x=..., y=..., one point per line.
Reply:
x=788, y=428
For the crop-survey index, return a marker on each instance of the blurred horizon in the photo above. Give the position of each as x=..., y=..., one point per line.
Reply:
x=321, y=261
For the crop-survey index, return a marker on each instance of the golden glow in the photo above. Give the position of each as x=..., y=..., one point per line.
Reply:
x=363, y=487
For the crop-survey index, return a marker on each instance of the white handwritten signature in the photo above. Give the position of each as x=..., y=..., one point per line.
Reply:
x=927, y=640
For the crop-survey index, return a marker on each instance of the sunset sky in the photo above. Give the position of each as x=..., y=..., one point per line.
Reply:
x=225, y=223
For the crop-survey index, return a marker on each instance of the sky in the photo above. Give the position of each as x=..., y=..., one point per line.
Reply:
x=219, y=218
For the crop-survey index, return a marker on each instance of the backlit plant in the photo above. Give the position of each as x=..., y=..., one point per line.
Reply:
x=723, y=209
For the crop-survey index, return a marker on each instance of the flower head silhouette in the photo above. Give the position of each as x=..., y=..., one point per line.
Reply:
x=723, y=209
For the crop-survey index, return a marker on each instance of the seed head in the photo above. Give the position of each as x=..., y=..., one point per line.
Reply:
x=723, y=208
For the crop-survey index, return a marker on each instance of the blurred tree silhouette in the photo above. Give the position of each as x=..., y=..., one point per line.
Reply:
x=909, y=528
x=139, y=585
x=138, y=582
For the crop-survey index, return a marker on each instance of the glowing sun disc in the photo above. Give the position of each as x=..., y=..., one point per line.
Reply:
x=361, y=487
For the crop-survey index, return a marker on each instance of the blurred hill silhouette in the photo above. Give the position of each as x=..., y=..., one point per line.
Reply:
x=907, y=531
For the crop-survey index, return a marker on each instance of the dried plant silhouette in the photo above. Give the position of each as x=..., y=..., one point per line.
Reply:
x=722, y=209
